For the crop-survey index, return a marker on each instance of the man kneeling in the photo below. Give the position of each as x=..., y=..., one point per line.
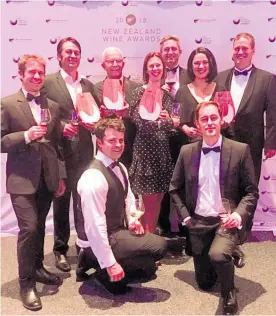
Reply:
x=112, y=241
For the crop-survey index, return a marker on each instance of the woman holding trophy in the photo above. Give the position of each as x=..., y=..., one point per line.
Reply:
x=151, y=169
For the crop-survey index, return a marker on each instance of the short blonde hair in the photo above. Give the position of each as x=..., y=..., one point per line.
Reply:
x=170, y=37
x=248, y=36
x=26, y=58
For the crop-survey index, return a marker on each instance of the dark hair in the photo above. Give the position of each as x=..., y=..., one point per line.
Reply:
x=204, y=104
x=213, y=69
x=248, y=36
x=110, y=122
x=145, y=70
x=64, y=40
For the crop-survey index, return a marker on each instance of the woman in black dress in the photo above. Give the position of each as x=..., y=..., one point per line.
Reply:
x=152, y=166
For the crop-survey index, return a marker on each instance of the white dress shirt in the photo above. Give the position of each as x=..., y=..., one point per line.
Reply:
x=74, y=87
x=93, y=188
x=35, y=109
x=238, y=85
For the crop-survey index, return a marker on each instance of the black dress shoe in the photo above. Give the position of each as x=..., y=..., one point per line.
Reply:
x=230, y=303
x=62, y=263
x=113, y=288
x=46, y=277
x=238, y=257
x=30, y=298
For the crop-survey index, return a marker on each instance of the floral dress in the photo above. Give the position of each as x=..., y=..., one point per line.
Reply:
x=151, y=169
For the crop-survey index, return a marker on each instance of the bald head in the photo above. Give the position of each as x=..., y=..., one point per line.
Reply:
x=112, y=62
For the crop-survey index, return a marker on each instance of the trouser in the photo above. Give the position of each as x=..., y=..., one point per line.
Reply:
x=31, y=212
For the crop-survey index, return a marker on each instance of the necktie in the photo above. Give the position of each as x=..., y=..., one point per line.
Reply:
x=242, y=73
x=173, y=70
x=206, y=150
x=114, y=164
x=31, y=97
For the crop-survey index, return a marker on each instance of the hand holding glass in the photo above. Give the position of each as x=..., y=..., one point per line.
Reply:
x=137, y=208
x=75, y=122
x=45, y=118
x=225, y=212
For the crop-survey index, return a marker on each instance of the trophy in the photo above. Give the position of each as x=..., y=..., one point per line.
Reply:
x=87, y=108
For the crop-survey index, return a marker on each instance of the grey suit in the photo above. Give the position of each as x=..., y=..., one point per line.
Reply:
x=77, y=154
x=33, y=173
x=212, y=252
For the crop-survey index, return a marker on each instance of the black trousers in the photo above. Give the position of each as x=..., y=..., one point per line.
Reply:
x=132, y=251
x=31, y=212
x=212, y=250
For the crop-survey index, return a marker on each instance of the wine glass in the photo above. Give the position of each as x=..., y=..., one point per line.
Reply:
x=224, y=212
x=45, y=118
x=75, y=122
x=137, y=208
x=176, y=113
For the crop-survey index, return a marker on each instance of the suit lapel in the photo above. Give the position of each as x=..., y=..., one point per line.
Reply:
x=24, y=107
x=84, y=85
x=225, y=156
x=64, y=89
x=229, y=79
x=248, y=89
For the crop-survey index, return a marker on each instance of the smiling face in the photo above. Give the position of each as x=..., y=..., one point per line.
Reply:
x=209, y=123
x=113, y=64
x=112, y=144
x=170, y=52
x=69, y=57
x=201, y=66
x=155, y=69
x=33, y=76
x=243, y=53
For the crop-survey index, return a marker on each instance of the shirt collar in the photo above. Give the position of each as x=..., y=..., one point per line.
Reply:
x=103, y=158
x=65, y=76
x=217, y=144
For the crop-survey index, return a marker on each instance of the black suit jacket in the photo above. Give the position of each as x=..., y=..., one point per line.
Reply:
x=237, y=180
x=25, y=161
x=77, y=154
x=259, y=97
x=183, y=77
x=130, y=133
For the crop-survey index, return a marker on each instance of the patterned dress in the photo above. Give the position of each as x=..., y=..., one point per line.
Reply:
x=151, y=169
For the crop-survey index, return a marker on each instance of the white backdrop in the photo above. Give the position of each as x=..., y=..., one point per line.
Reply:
x=136, y=27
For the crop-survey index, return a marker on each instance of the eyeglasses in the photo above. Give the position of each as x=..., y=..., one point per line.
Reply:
x=112, y=61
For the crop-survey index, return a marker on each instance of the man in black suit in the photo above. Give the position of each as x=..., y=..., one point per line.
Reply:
x=34, y=171
x=113, y=63
x=63, y=87
x=206, y=172
x=253, y=94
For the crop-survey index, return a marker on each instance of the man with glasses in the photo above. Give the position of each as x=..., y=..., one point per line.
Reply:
x=113, y=63
x=63, y=88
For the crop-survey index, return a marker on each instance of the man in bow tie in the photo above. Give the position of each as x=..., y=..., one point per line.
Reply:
x=35, y=172
x=253, y=93
x=206, y=172
x=112, y=240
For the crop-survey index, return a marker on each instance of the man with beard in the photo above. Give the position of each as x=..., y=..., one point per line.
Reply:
x=113, y=63
x=63, y=88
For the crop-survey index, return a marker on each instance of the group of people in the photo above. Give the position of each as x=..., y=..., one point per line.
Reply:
x=138, y=154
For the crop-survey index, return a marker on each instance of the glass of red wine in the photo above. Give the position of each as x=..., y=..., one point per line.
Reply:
x=45, y=118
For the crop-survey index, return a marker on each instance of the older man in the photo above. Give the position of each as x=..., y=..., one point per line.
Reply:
x=113, y=63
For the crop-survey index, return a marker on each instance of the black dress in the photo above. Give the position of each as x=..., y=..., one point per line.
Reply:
x=151, y=169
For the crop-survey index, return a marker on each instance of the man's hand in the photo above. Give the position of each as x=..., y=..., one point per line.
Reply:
x=116, y=272
x=36, y=132
x=269, y=153
x=88, y=126
x=61, y=188
x=191, y=131
x=70, y=130
x=231, y=221
x=136, y=227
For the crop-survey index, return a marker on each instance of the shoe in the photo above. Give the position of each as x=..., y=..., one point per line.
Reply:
x=46, y=277
x=62, y=263
x=113, y=288
x=238, y=257
x=230, y=303
x=30, y=298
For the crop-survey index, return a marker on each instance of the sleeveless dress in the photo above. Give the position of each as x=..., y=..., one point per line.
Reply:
x=151, y=169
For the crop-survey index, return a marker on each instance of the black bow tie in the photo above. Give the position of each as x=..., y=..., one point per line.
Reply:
x=242, y=73
x=206, y=150
x=30, y=97
x=114, y=164
x=173, y=70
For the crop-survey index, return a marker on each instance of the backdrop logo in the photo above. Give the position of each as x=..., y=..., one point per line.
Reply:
x=90, y=59
x=19, y=40
x=241, y=20
x=11, y=40
x=272, y=39
x=53, y=40
x=14, y=77
x=203, y=40
x=13, y=22
x=51, y=3
x=265, y=209
x=16, y=59
x=19, y=22
x=130, y=19
x=204, y=20
x=158, y=2
x=124, y=3
x=205, y=3
x=272, y=19
x=55, y=21
x=50, y=58
x=270, y=56
x=273, y=2
x=199, y=3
